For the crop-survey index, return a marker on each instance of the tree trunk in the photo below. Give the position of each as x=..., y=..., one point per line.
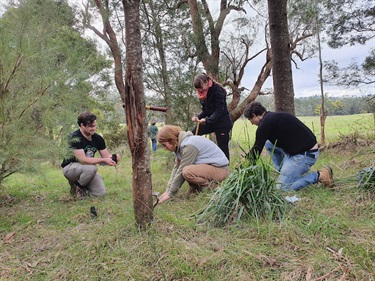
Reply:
x=210, y=61
x=136, y=116
x=281, y=57
x=322, y=110
x=133, y=98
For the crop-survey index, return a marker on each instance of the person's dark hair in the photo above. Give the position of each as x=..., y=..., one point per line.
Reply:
x=203, y=78
x=86, y=118
x=200, y=79
x=254, y=108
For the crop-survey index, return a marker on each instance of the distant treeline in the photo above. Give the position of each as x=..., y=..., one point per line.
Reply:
x=310, y=106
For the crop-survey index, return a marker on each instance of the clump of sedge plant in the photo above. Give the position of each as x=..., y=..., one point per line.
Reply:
x=248, y=193
x=366, y=178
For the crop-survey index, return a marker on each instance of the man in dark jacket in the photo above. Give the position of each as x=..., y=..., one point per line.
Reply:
x=291, y=144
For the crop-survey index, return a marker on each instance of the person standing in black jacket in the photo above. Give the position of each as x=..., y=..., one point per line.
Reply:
x=291, y=144
x=214, y=116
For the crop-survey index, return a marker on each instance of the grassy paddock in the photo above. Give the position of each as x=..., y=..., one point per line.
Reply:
x=45, y=235
x=335, y=127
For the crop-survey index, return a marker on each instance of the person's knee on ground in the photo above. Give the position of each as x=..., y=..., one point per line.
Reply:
x=97, y=192
x=96, y=187
x=204, y=176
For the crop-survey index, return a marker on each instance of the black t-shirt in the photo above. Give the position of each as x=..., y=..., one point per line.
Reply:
x=285, y=131
x=78, y=141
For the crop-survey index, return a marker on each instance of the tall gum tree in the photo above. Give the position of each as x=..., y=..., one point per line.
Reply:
x=207, y=32
x=210, y=59
x=350, y=23
x=135, y=116
x=281, y=56
x=130, y=88
x=168, y=66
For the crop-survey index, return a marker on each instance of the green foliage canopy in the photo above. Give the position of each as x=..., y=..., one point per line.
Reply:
x=45, y=69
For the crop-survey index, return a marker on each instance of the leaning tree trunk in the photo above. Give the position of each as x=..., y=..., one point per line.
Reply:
x=280, y=49
x=135, y=116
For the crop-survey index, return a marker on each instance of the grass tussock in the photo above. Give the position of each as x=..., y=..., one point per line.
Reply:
x=366, y=178
x=248, y=193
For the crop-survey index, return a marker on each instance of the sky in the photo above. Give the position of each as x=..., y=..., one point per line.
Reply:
x=306, y=78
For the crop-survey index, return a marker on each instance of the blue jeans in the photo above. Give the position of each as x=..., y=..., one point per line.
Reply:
x=293, y=168
x=153, y=142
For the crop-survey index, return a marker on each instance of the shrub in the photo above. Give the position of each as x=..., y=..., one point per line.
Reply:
x=116, y=138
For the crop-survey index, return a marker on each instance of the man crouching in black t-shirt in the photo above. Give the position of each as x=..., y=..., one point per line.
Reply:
x=80, y=168
x=291, y=144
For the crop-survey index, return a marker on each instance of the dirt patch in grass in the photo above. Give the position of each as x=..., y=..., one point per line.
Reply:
x=349, y=144
x=8, y=201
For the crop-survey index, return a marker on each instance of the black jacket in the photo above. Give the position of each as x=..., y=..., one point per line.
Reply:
x=285, y=131
x=215, y=109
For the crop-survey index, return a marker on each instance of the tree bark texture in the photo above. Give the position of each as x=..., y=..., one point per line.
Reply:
x=281, y=57
x=210, y=61
x=109, y=36
x=136, y=117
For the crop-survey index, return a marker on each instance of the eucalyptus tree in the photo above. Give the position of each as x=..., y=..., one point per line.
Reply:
x=219, y=56
x=349, y=23
x=128, y=76
x=135, y=116
x=345, y=22
x=227, y=58
x=237, y=54
x=44, y=65
x=207, y=30
x=169, y=63
x=281, y=57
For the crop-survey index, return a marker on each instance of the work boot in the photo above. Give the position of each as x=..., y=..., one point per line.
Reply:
x=213, y=185
x=81, y=193
x=326, y=176
x=73, y=188
x=194, y=188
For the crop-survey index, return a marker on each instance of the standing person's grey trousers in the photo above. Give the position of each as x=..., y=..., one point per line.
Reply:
x=86, y=176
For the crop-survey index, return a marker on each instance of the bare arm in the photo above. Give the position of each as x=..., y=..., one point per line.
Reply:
x=105, y=154
x=106, y=158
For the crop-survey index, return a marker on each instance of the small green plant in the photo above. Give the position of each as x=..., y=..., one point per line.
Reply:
x=248, y=193
x=366, y=178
